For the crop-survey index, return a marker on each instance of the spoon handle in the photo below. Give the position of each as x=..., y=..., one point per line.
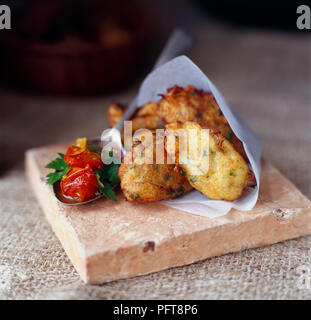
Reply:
x=178, y=43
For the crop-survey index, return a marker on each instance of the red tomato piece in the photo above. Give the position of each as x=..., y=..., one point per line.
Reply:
x=80, y=157
x=79, y=184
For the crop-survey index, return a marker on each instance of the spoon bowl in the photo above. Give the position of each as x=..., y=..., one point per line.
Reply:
x=68, y=201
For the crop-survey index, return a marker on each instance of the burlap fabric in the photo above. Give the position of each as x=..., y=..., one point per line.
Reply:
x=265, y=76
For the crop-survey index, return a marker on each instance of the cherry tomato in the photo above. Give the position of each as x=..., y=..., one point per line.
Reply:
x=79, y=184
x=80, y=157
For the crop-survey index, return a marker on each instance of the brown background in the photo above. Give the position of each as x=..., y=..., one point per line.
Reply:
x=265, y=76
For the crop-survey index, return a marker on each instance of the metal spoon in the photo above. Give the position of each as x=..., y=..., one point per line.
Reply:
x=177, y=44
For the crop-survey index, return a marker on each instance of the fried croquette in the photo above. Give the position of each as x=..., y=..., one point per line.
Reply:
x=148, y=109
x=144, y=182
x=220, y=173
x=115, y=113
x=145, y=118
x=190, y=104
x=146, y=122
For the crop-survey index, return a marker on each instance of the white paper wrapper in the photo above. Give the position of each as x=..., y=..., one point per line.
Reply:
x=182, y=71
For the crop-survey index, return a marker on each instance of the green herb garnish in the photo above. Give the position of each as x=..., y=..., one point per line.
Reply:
x=182, y=172
x=93, y=148
x=229, y=136
x=61, y=168
x=109, y=157
x=113, y=177
x=180, y=191
x=105, y=188
x=107, y=178
x=134, y=196
x=231, y=173
x=250, y=185
x=212, y=105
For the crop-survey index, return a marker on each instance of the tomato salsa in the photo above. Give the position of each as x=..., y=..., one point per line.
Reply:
x=82, y=174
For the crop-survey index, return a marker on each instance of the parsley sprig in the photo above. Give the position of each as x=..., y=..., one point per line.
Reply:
x=93, y=148
x=61, y=168
x=107, y=178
